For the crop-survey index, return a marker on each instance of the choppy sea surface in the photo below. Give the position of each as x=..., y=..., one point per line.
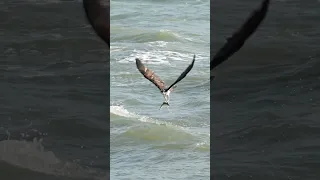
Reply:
x=54, y=91
x=264, y=104
x=265, y=99
x=173, y=142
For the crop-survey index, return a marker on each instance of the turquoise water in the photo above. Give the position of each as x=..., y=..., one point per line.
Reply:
x=174, y=142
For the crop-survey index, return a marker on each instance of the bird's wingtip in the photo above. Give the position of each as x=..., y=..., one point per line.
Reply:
x=138, y=60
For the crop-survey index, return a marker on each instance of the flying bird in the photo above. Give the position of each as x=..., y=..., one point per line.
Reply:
x=98, y=15
x=238, y=39
x=151, y=76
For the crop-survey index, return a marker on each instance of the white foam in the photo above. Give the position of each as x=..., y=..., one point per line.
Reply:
x=158, y=44
x=115, y=48
x=157, y=57
x=149, y=57
x=177, y=35
x=121, y=111
x=203, y=144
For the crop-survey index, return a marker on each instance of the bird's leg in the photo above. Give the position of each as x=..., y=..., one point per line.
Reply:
x=166, y=96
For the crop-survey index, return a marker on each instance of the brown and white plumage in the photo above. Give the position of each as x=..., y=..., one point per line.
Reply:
x=155, y=79
x=150, y=75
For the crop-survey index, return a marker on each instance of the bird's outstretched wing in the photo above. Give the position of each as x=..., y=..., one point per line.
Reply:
x=185, y=72
x=150, y=75
x=98, y=15
x=237, y=40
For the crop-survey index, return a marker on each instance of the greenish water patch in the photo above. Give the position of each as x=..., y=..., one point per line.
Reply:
x=164, y=35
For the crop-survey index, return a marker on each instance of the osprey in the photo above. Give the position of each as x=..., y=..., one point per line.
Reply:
x=151, y=76
x=98, y=15
x=238, y=39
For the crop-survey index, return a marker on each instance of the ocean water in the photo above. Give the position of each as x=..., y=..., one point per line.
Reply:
x=53, y=121
x=265, y=99
x=173, y=142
